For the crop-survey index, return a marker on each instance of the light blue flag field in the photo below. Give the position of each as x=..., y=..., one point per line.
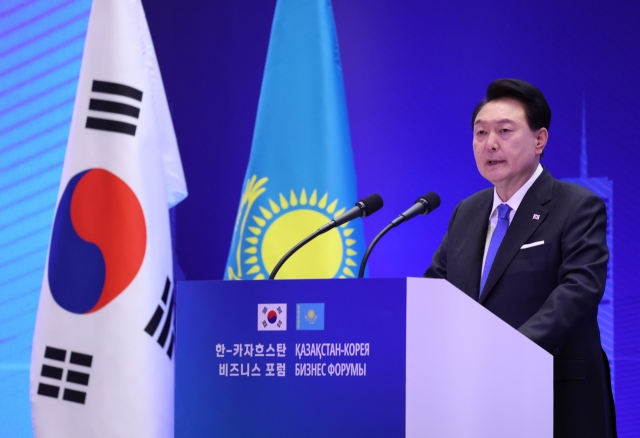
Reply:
x=310, y=316
x=300, y=173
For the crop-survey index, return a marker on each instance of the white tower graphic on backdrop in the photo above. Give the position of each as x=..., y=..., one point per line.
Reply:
x=602, y=187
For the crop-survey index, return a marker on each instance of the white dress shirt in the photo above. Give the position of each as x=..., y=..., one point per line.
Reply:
x=513, y=202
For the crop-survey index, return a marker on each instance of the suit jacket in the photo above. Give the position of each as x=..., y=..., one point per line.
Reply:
x=549, y=292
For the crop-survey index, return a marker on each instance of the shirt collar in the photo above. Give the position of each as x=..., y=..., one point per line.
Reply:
x=516, y=199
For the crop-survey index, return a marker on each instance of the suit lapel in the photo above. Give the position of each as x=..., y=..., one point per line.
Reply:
x=521, y=228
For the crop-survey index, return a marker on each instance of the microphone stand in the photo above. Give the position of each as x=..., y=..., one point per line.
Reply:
x=423, y=205
x=363, y=264
x=365, y=207
x=293, y=250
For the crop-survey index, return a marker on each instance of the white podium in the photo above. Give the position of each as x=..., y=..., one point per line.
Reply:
x=469, y=374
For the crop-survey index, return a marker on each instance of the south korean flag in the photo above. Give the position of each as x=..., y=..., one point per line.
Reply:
x=272, y=317
x=103, y=356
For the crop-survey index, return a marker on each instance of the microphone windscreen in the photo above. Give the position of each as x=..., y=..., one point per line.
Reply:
x=372, y=203
x=432, y=199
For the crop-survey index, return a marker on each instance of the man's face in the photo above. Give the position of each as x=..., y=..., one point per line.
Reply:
x=507, y=152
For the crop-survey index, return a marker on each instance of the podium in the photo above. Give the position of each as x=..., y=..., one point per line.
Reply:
x=374, y=357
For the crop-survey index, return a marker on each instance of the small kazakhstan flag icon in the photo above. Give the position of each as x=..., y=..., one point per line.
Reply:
x=300, y=173
x=310, y=316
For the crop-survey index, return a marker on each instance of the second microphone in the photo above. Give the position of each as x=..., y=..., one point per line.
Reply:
x=423, y=205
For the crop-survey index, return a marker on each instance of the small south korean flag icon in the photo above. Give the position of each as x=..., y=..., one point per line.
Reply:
x=272, y=317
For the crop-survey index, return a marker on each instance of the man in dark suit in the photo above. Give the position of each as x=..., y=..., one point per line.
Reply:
x=533, y=251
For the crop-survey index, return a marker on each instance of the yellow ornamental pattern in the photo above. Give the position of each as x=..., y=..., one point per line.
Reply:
x=268, y=231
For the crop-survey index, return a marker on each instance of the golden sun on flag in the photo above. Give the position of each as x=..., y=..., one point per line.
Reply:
x=275, y=227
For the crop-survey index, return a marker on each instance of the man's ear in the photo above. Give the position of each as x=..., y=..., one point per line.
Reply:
x=541, y=140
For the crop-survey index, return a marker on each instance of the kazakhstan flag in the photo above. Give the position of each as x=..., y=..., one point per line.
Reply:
x=300, y=173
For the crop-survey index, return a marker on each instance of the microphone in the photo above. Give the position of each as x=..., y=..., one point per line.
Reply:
x=423, y=205
x=364, y=207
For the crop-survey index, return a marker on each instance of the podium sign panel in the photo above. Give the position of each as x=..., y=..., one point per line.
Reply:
x=378, y=357
x=347, y=379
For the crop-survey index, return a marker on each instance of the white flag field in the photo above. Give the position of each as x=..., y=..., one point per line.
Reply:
x=103, y=355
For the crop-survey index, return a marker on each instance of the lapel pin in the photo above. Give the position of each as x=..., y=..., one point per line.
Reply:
x=536, y=217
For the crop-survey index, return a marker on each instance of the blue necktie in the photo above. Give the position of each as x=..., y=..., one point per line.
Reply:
x=496, y=239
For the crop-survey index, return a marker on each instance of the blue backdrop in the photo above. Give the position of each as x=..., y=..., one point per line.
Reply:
x=413, y=72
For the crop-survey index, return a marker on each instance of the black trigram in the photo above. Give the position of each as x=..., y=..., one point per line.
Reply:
x=54, y=370
x=169, y=320
x=114, y=107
